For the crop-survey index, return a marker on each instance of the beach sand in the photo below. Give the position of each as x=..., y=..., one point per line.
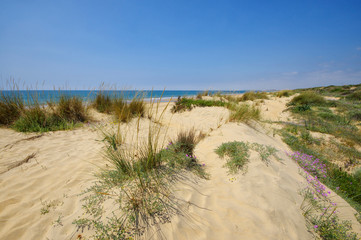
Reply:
x=47, y=174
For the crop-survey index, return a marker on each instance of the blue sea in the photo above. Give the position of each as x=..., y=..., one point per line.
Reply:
x=43, y=96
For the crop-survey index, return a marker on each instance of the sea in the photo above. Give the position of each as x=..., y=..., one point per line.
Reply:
x=44, y=96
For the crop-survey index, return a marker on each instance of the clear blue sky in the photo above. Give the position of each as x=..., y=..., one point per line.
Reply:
x=184, y=44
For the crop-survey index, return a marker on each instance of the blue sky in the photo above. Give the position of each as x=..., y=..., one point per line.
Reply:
x=184, y=44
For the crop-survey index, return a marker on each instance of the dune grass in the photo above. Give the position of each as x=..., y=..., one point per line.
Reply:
x=308, y=98
x=284, y=93
x=237, y=154
x=244, y=113
x=138, y=182
x=184, y=104
x=355, y=96
x=119, y=107
x=251, y=96
x=11, y=107
x=103, y=103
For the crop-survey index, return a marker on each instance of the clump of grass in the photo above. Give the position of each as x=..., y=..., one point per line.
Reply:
x=184, y=104
x=244, y=113
x=138, y=183
x=71, y=109
x=355, y=96
x=237, y=153
x=253, y=96
x=137, y=107
x=283, y=93
x=202, y=94
x=355, y=115
x=11, y=107
x=186, y=141
x=308, y=98
x=103, y=103
x=37, y=119
x=66, y=114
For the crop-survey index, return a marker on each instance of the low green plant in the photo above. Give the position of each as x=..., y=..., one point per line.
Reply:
x=308, y=98
x=37, y=119
x=103, y=103
x=71, y=109
x=244, y=113
x=183, y=104
x=138, y=182
x=202, y=94
x=283, y=93
x=186, y=141
x=237, y=154
x=355, y=96
x=250, y=96
x=11, y=106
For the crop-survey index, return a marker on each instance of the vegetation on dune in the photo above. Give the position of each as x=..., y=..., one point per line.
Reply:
x=244, y=113
x=183, y=104
x=119, y=107
x=251, y=96
x=11, y=107
x=237, y=154
x=318, y=207
x=138, y=182
x=103, y=103
x=308, y=98
x=284, y=93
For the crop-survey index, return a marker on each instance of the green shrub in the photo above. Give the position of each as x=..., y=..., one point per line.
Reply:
x=308, y=98
x=253, y=96
x=36, y=119
x=283, y=93
x=237, y=153
x=355, y=96
x=244, y=113
x=103, y=103
x=71, y=109
x=186, y=142
x=11, y=106
x=137, y=107
x=184, y=104
x=355, y=115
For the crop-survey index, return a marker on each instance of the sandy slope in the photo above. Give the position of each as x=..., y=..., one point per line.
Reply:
x=263, y=203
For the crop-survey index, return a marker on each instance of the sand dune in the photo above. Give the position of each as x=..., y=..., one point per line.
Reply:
x=261, y=203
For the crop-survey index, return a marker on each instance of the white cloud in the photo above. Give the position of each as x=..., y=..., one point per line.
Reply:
x=358, y=48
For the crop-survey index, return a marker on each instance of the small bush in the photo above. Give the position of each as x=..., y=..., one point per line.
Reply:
x=283, y=93
x=103, y=103
x=253, y=96
x=11, y=106
x=244, y=113
x=308, y=98
x=186, y=141
x=36, y=119
x=137, y=107
x=201, y=94
x=184, y=104
x=237, y=153
x=355, y=115
x=355, y=96
x=71, y=109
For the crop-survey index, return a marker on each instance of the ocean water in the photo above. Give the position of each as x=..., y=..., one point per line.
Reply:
x=43, y=96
